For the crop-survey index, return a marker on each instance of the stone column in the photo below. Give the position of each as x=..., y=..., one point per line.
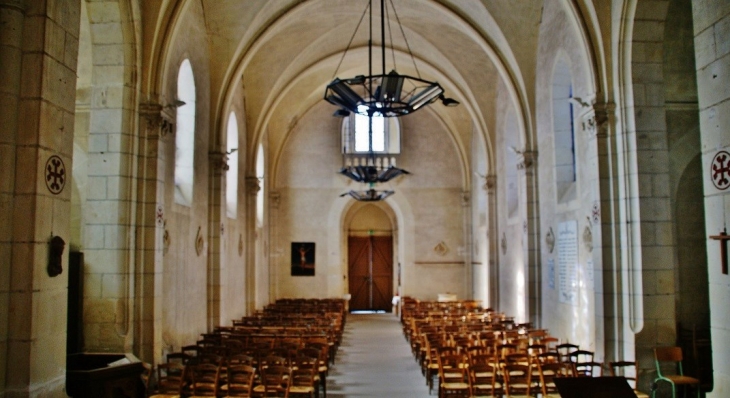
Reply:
x=712, y=53
x=252, y=190
x=216, y=230
x=609, y=185
x=490, y=186
x=275, y=252
x=151, y=236
x=527, y=165
x=11, y=42
x=36, y=342
x=467, y=250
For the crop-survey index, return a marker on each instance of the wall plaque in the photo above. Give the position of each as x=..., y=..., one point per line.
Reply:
x=568, y=262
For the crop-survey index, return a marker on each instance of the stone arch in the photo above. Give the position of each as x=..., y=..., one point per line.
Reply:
x=659, y=116
x=108, y=54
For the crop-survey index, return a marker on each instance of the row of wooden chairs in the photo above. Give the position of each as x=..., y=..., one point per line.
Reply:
x=235, y=380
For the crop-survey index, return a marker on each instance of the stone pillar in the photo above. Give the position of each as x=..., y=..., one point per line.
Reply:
x=527, y=165
x=467, y=251
x=490, y=186
x=712, y=54
x=151, y=236
x=274, y=248
x=11, y=41
x=618, y=340
x=252, y=190
x=216, y=231
x=36, y=343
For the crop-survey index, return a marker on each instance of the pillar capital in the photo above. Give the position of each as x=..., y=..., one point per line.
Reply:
x=253, y=185
x=160, y=120
x=218, y=161
x=526, y=160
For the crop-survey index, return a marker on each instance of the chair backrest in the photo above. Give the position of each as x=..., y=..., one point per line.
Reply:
x=146, y=376
x=239, y=382
x=179, y=357
x=170, y=378
x=483, y=378
x=627, y=369
x=548, y=372
x=517, y=378
x=276, y=380
x=205, y=378
x=564, y=350
x=668, y=354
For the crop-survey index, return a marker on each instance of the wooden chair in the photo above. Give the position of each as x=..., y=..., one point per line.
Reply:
x=628, y=370
x=548, y=371
x=305, y=377
x=672, y=356
x=583, y=363
x=204, y=380
x=484, y=380
x=517, y=380
x=239, y=381
x=170, y=380
x=453, y=377
x=275, y=382
x=564, y=351
x=322, y=368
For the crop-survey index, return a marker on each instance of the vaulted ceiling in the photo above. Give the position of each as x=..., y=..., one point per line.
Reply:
x=284, y=52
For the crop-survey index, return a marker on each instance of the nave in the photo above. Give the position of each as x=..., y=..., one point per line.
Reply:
x=375, y=360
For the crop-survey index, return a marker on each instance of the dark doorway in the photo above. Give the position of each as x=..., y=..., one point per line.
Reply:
x=370, y=268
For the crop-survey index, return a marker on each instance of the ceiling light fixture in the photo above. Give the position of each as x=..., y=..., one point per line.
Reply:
x=386, y=95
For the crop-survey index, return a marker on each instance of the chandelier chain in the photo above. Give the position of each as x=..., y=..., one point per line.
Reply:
x=351, y=39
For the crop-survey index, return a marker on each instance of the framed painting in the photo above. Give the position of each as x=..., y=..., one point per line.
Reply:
x=302, y=258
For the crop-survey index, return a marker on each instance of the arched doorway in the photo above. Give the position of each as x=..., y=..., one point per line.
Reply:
x=370, y=260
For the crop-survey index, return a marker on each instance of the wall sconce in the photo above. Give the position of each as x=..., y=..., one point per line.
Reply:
x=55, y=256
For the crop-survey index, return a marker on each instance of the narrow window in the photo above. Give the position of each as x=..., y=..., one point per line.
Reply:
x=185, y=135
x=232, y=174
x=564, y=133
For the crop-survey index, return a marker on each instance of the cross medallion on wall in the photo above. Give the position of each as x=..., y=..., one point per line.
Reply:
x=720, y=170
x=55, y=174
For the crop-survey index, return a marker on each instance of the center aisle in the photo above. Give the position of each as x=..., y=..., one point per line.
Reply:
x=375, y=360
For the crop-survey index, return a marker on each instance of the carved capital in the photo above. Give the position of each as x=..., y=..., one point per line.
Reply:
x=490, y=183
x=465, y=198
x=274, y=199
x=526, y=160
x=159, y=120
x=603, y=114
x=253, y=185
x=218, y=161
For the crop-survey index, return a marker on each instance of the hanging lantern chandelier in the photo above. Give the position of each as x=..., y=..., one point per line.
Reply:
x=385, y=94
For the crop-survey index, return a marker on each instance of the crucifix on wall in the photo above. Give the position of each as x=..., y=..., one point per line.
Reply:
x=723, y=237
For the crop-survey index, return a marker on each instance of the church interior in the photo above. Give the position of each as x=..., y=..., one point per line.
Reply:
x=170, y=166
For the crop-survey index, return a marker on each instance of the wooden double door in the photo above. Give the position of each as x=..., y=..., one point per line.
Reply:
x=370, y=262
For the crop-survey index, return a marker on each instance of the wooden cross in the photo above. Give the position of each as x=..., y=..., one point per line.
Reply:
x=723, y=238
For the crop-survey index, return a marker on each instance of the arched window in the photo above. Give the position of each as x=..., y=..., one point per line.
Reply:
x=232, y=174
x=512, y=145
x=355, y=132
x=185, y=135
x=564, y=133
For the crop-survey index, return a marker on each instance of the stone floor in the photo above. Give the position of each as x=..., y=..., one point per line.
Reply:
x=375, y=360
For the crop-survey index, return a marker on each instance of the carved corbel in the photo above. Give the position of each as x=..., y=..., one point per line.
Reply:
x=274, y=199
x=490, y=183
x=465, y=199
x=160, y=120
x=527, y=159
x=218, y=161
x=253, y=185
